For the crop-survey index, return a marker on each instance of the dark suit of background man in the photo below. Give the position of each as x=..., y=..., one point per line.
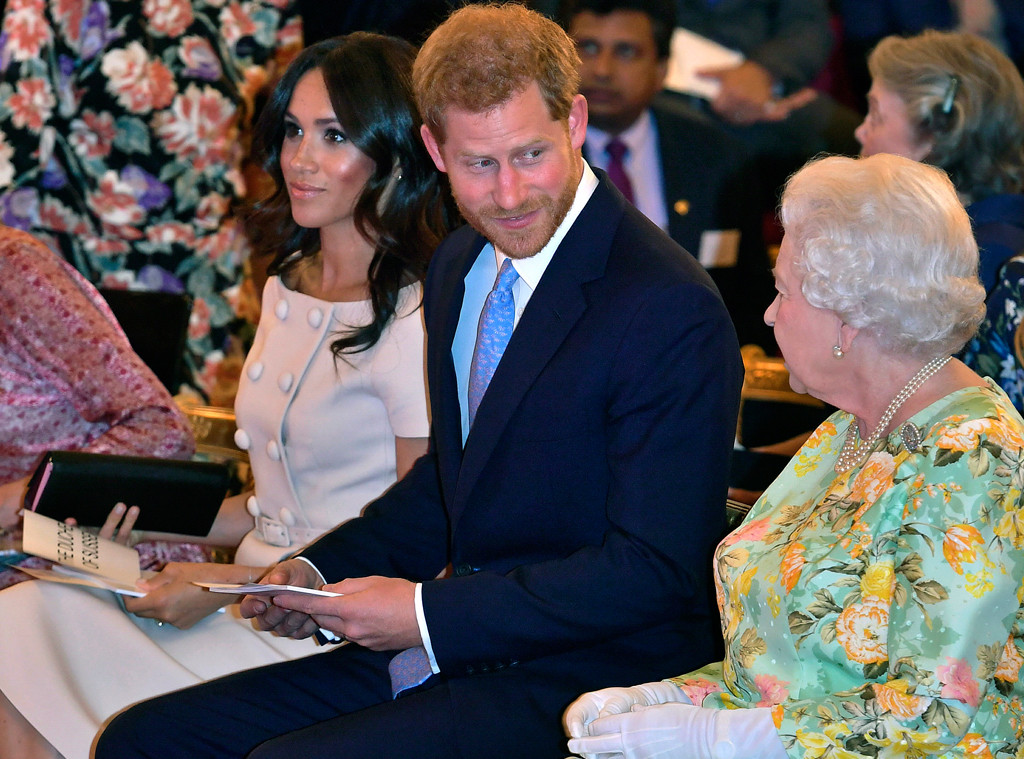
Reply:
x=577, y=514
x=687, y=175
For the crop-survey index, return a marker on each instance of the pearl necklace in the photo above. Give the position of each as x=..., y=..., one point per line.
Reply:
x=852, y=453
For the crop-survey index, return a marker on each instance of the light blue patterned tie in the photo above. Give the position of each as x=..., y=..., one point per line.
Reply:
x=495, y=330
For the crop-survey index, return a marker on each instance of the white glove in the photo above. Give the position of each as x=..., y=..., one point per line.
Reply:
x=681, y=731
x=601, y=703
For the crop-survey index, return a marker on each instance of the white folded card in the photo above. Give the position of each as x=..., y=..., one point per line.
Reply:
x=258, y=588
x=719, y=248
x=689, y=54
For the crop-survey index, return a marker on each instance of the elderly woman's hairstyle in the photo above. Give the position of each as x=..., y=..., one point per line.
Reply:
x=484, y=55
x=885, y=243
x=369, y=81
x=965, y=97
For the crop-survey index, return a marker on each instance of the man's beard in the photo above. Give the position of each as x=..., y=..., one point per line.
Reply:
x=522, y=243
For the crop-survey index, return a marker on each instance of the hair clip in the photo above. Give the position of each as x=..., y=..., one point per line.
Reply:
x=951, y=90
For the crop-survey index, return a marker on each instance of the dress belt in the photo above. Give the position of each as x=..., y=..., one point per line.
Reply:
x=277, y=533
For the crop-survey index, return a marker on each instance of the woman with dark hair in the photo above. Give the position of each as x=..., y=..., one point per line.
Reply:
x=402, y=209
x=331, y=406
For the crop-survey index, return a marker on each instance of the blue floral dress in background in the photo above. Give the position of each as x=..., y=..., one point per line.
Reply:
x=992, y=351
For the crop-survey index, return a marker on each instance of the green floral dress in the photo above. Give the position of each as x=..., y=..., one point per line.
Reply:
x=122, y=137
x=878, y=612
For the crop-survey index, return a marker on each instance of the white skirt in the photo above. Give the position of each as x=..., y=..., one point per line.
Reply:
x=70, y=657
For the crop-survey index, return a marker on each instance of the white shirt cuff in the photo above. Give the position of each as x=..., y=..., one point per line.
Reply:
x=323, y=580
x=421, y=621
x=325, y=636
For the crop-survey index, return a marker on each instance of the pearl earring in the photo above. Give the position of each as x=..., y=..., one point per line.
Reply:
x=837, y=351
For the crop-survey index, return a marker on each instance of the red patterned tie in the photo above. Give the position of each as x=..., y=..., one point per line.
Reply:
x=616, y=150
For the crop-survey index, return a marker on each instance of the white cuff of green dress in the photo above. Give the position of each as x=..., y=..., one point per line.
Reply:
x=746, y=734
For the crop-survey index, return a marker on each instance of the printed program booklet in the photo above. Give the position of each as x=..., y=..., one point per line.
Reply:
x=81, y=556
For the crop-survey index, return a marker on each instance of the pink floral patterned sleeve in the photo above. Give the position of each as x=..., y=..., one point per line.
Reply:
x=68, y=378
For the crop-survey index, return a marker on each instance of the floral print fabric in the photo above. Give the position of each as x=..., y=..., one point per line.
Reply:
x=878, y=612
x=68, y=378
x=992, y=352
x=121, y=140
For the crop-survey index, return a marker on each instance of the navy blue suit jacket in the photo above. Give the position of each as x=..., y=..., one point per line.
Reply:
x=579, y=519
x=710, y=183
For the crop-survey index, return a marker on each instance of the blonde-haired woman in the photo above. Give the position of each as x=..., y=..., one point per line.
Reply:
x=956, y=101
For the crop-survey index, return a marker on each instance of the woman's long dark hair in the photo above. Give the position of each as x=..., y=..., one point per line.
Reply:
x=369, y=80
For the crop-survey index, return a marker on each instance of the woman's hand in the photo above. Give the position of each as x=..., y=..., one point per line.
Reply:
x=601, y=703
x=646, y=721
x=276, y=619
x=668, y=731
x=118, y=526
x=171, y=597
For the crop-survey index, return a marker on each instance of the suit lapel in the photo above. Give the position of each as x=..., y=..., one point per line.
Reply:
x=671, y=148
x=553, y=310
x=444, y=395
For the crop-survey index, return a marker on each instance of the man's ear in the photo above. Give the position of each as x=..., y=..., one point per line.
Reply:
x=433, y=147
x=578, y=122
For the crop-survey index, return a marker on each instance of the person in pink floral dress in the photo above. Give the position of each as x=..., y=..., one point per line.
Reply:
x=122, y=137
x=69, y=380
x=871, y=601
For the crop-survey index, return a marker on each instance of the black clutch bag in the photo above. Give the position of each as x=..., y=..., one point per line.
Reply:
x=173, y=496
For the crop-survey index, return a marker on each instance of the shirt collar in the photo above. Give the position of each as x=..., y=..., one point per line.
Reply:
x=637, y=136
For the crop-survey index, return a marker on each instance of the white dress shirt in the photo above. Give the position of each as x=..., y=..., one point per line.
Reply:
x=642, y=164
x=479, y=282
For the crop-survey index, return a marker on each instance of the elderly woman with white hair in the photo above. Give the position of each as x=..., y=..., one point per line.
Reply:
x=870, y=599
